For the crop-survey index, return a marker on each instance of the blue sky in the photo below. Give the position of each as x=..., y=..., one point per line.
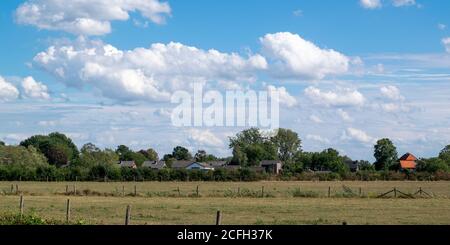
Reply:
x=387, y=75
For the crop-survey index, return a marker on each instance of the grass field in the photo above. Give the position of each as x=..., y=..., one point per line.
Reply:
x=161, y=203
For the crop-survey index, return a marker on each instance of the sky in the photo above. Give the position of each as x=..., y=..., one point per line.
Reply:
x=349, y=72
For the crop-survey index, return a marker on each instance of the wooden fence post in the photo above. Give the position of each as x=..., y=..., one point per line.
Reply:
x=178, y=189
x=329, y=191
x=197, y=192
x=128, y=215
x=21, y=205
x=123, y=190
x=395, y=192
x=239, y=191
x=360, y=191
x=68, y=211
x=75, y=189
x=135, y=190
x=262, y=191
x=67, y=189
x=218, y=218
x=17, y=189
x=12, y=189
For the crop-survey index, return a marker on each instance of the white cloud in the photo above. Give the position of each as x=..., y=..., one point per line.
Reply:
x=143, y=73
x=442, y=26
x=402, y=3
x=358, y=135
x=446, y=43
x=341, y=97
x=295, y=57
x=317, y=138
x=370, y=4
x=8, y=91
x=34, y=89
x=344, y=115
x=205, y=138
x=47, y=123
x=391, y=92
x=298, y=12
x=284, y=96
x=394, y=107
x=87, y=17
x=315, y=119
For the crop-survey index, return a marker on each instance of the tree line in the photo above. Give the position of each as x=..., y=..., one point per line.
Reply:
x=56, y=157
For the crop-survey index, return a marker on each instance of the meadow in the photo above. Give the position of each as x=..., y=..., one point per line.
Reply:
x=353, y=202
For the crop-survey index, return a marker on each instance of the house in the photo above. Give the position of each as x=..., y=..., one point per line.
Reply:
x=408, y=162
x=353, y=166
x=192, y=165
x=272, y=166
x=128, y=164
x=154, y=164
x=181, y=164
x=217, y=164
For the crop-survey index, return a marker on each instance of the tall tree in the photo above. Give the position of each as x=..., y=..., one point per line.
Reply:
x=202, y=156
x=386, y=155
x=254, y=145
x=150, y=154
x=58, y=148
x=445, y=154
x=2, y=143
x=181, y=153
x=288, y=144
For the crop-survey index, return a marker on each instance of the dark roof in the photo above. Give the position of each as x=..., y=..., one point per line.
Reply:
x=182, y=164
x=154, y=164
x=127, y=164
x=269, y=162
x=216, y=164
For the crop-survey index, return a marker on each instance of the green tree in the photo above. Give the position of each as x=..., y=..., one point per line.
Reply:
x=250, y=147
x=27, y=157
x=288, y=144
x=365, y=166
x=445, y=155
x=2, y=143
x=91, y=156
x=126, y=154
x=385, y=154
x=202, y=156
x=58, y=148
x=432, y=165
x=181, y=153
x=150, y=154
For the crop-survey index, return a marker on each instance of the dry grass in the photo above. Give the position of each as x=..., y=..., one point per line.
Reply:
x=48, y=200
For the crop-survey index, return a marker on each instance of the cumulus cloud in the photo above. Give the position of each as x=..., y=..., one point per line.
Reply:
x=341, y=97
x=358, y=135
x=344, y=115
x=446, y=43
x=204, y=138
x=317, y=138
x=87, y=17
x=35, y=90
x=284, y=96
x=315, y=119
x=402, y=3
x=292, y=56
x=8, y=91
x=391, y=92
x=143, y=73
x=370, y=4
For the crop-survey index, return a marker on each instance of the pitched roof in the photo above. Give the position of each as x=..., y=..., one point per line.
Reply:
x=269, y=162
x=181, y=164
x=127, y=163
x=154, y=164
x=408, y=157
x=217, y=163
